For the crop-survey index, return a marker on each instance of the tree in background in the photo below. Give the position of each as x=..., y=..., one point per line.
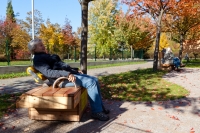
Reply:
x=158, y=9
x=52, y=37
x=101, y=25
x=70, y=38
x=192, y=44
x=163, y=42
x=20, y=39
x=9, y=12
x=27, y=24
x=137, y=32
x=9, y=24
x=181, y=19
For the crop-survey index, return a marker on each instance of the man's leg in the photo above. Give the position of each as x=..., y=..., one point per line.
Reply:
x=93, y=89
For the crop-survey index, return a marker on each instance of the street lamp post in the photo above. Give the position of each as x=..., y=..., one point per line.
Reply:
x=33, y=20
x=95, y=52
x=75, y=53
x=7, y=53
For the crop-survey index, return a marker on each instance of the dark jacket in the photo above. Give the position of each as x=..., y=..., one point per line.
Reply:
x=51, y=66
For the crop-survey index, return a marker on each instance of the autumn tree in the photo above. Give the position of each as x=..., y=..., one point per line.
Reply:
x=163, y=42
x=20, y=39
x=181, y=19
x=70, y=37
x=156, y=10
x=9, y=24
x=192, y=43
x=136, y=32
x=52, y=37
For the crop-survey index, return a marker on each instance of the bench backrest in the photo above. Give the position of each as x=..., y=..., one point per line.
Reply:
x=38, y=77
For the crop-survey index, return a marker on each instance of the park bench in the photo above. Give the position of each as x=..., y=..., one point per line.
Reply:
x=52, y=102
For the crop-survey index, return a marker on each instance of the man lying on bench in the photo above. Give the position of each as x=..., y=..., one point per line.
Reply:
x=51, y=66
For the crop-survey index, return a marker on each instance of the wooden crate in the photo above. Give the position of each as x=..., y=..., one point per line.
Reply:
x=45, y=103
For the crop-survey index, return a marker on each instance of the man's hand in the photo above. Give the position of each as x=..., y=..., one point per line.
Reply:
x=71, y=78
x=80, y=72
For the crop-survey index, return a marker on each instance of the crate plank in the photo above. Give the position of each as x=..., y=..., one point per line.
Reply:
x=62, y=91
x=42, y=91
x=30, y=92
x=50, y=92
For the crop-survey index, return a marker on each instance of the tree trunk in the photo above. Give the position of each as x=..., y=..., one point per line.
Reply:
x=158, y=31
x=84, y=25
x=155, y=61
x=181, y=47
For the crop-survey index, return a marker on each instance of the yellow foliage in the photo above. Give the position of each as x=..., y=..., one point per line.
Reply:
x=163, y=42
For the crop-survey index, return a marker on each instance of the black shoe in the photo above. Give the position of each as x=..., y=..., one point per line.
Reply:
x=100, y=116
x=106, y=111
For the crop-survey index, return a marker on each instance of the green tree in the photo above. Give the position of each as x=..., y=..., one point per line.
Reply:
x=101, y=20
x=9, y=12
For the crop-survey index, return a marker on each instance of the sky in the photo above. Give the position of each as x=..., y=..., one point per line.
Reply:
x=56, y=10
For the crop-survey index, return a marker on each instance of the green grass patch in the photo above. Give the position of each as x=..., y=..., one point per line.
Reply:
x=116, y=64
x=13, y=75
x=7, y=104
x=15, y=63
x=192, y=63
x=140, y=85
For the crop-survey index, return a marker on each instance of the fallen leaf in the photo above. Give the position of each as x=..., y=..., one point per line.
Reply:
x=13, y=127
x=4, y=128
x=148, y=130
x=26, y=129
x=173, y=117
x=152, y=108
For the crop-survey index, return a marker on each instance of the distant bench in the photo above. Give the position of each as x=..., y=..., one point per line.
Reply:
x=170, y=66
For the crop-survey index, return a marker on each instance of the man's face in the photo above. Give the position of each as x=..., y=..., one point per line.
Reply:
x=40, y=48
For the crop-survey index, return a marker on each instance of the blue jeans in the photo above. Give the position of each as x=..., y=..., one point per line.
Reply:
x=93, y=90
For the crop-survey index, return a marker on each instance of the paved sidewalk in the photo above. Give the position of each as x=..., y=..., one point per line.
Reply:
x=178, y=116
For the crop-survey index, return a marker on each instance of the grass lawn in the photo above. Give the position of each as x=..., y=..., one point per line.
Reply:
x=192, y=63
x=140, y=85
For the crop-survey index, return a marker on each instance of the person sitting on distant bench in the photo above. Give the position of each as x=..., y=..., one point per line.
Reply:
x=51, y=66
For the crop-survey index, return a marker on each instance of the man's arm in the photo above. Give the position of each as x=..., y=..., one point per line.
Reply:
x=42, y=66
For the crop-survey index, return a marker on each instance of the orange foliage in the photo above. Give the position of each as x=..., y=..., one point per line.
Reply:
x=68, y=34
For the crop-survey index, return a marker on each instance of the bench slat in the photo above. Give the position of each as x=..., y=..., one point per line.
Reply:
x=64, y=92
x=51, y=92
x=72, y=92
x=30, y=92
x=42, y=91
